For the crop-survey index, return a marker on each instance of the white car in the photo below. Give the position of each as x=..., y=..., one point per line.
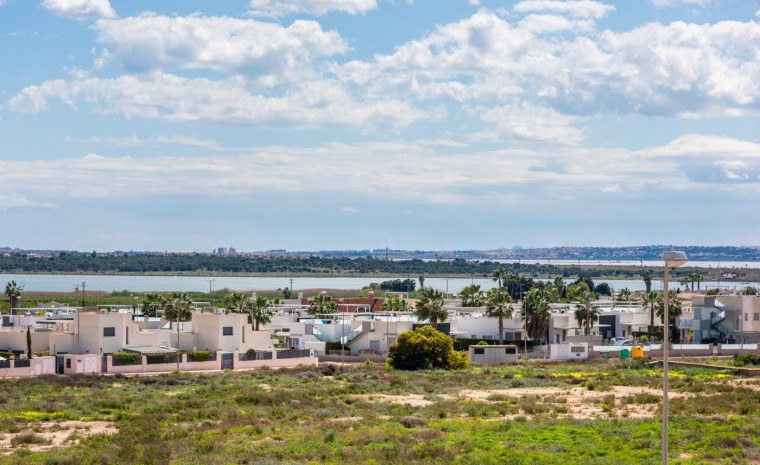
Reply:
x=622, y=342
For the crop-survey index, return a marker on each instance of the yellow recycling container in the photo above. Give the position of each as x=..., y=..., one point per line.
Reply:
x=638, y=352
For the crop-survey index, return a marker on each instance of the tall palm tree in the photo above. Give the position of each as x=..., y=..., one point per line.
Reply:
x=652, y=301
x=624, y=294
x=472, y=296
x=258, y=311
x=178, y=307
x=536, y=314
x=430, y=307
x=497, y=306
x=647, y=277
x=152, y=305
x=322, y=304
x=586, y=313
x=674, y=310
x=500, y=275
x=13, y=291
x=696, y=276
x=512, y=280
x=559, y=284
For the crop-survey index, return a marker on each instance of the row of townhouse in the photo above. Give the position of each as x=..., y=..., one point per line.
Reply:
x=98, y=331
x=727, y=318
x=360, y=325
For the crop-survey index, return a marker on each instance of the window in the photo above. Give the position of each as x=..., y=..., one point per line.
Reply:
x=756, y=316
x=479, y=351
x=68, y=363
x=577, y=349
x=746, y=317
x=510, y=350
x=109, y=331
x=227, y=331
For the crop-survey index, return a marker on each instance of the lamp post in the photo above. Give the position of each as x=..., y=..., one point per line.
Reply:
x=670, y=259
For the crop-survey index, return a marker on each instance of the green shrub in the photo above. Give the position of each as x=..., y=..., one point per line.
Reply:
x=741, y=360
x=170, y=357
x=126, y=358
x=424, y=348
x=201, y=356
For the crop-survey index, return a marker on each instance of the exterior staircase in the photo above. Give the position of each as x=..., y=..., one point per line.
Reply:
x=716, y=318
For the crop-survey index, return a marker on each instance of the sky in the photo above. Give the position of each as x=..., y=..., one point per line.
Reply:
x=362, y=124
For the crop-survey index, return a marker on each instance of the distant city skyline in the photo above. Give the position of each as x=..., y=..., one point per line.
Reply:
x=358, y=124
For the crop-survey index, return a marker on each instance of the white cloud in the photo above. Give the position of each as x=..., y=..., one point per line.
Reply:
x=578, y=9
x=173, y=98
x=278, y=8
x=685, y=70
x=14, y=201
x=265, y=52
x=80, y=9
x=530, y=123
x=407, y=172
x=672, y=3
x=349, y=210
x=539, y=24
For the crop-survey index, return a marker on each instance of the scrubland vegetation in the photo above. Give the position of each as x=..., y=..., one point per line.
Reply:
x=598, y=413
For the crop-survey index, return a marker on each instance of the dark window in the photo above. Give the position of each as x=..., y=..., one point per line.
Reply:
x=68, y=363
x=227, y=331
x=510, y=350
x=480, y=351
x=109, y=331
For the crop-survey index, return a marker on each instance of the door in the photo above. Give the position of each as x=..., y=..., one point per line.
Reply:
x=227, y=363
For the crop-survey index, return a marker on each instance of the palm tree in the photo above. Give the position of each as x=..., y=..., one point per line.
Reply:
x=472, y=296
x=497, y=306
x=674, y=310
x=536, y=313
x=696, y=276
x=500, y=275
x=178, y=307
x=395, y=303
x=586, y=313
x=559, y=284
x=153, y=304
x=512, y=280
x=624, y=294
x=258, y=311
x=652, y=300
x=430, y=307
x=13, y=291
x=648, y=280
x=236, y=302
x=322, y=304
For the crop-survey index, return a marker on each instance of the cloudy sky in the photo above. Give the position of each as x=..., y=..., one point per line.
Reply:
x=353, y=124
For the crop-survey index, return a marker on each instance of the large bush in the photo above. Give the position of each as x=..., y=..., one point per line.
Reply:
x=425, y=348
x=126, y=358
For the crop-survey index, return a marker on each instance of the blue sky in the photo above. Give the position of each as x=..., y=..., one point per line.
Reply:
x=355, y=124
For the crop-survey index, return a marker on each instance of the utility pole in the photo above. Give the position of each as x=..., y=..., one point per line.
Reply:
x=83, y=284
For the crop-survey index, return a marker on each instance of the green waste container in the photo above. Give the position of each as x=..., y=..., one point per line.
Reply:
x=605, y=355
x=625, y=353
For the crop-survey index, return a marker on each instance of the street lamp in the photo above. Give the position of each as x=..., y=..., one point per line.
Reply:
x=671, y=259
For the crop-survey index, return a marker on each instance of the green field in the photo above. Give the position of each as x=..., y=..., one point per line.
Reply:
x=598, y=413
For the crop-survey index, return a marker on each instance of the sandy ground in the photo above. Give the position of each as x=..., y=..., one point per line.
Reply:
x=56, y=434
x=574, y=402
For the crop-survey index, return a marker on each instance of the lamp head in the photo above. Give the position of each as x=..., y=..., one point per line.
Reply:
x=674, y=258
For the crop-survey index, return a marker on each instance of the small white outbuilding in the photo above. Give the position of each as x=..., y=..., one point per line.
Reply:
x=482, y=354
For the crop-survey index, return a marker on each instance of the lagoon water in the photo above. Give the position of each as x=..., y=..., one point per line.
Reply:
x=134, y=283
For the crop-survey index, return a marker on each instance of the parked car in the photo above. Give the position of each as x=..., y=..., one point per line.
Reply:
x=623, y=343
x=613, y=340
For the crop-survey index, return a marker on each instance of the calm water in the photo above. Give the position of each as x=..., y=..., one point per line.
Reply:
x=108, y=283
